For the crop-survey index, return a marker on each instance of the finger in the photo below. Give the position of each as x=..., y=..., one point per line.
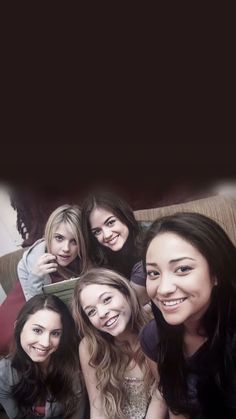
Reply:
x=48, y=257
x=51, y=265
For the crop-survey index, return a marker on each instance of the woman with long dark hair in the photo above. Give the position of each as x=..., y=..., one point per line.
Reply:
x=191, y=280
x=113, y=237
x=41, y=377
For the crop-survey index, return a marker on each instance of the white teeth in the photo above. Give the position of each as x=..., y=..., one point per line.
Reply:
x=40, y=350
x=111, y=321
x=173, y=302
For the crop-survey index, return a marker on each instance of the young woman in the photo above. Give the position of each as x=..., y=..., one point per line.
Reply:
x=58, y=256
x=113, y=236
x=191, y=280
x=109, y=318
x=41, y=378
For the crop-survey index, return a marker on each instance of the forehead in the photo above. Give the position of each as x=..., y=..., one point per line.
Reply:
x=46, y=318
x=99, y=214
x=91, y=293
x=170, y=246
x=63, y=228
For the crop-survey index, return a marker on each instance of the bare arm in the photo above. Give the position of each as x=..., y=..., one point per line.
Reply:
x=157, y=407
x=89, y=373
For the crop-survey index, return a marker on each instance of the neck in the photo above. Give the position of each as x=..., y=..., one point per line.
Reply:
x=126, y=336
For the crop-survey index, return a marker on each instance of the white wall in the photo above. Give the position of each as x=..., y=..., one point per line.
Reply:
x=10, y=239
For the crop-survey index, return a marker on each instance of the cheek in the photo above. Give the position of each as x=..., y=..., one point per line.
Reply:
x=151, y=288
x=75, y=251
x=126, y=232
x=99, y=238
x=56, y=342
x=53, y=246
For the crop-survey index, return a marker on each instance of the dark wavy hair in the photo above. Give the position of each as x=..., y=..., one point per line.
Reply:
x=63, y=362
x=121, y=261
x=216, y=370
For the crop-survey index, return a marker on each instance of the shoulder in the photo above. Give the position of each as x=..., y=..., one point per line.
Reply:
x=149, y=340
x=33, y=252
x=84, y=348
x=8, y=374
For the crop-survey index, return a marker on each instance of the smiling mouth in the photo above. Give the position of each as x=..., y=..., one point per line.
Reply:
x=41, y=351
x=171, y=303
x=111, y=321
x=113, y=239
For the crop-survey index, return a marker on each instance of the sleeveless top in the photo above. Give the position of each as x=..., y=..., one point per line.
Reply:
x=136, y=401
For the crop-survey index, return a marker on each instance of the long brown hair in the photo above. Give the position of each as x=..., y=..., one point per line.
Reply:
x=110, y=359
x=63, y=362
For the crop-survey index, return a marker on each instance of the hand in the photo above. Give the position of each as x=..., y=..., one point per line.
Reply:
x=46, y=264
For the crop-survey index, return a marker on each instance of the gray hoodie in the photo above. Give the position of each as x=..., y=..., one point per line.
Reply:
x=32, y=284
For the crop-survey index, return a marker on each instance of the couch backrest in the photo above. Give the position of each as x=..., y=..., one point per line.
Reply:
x=220, y=208
x=8, y=269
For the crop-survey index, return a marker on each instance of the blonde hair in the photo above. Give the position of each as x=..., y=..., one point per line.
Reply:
x=70, y=215
x=110, y=359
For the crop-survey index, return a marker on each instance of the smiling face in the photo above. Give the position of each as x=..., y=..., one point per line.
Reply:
x=106, y=307
x=108, y=229
x=41, y=335
x=178, y=279
x=63, y=245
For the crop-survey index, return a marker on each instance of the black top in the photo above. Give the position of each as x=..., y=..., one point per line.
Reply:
x=211, y=402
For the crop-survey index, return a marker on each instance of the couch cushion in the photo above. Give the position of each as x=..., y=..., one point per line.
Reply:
x=220, y=208
x=8, y=269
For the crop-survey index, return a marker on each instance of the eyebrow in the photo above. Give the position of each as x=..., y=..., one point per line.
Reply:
x=100, y=297
x=96, y=228
x=171, y=261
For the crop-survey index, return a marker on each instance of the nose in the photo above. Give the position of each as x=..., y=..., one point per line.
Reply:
x=107, y=232
x=66, y=246
x=166, y=285
x=45, y=340
x=102, y=311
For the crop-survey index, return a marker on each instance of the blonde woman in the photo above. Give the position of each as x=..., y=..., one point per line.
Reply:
x=109, y=317
x=59, y=255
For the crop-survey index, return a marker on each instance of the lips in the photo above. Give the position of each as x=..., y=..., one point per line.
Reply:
x=41, y=351
x=111, y=321
x=112, y=240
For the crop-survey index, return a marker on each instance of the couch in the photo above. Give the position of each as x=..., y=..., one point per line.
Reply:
x=221, y=208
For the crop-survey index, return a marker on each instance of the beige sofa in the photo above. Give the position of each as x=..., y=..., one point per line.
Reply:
x=221, y=208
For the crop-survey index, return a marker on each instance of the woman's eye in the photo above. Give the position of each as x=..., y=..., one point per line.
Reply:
x=183, y=269
x=107, y=300
x=37, y=331
x=58, y=237
x=153, y=274
x=111, y=222
x=96, y=232
x=56, y=333
x=73, y=241
x=91, y=313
